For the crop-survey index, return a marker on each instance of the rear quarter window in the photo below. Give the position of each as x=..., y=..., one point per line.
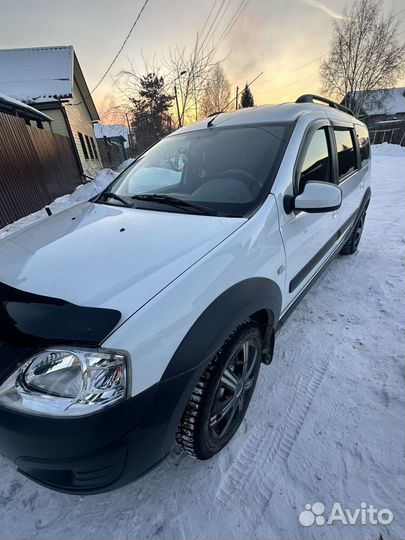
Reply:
x=364, y=144
x=345, y=152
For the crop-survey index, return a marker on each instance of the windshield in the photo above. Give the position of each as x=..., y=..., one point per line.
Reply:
x=224, y=170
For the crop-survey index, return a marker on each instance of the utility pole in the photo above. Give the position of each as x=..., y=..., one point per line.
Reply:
x=177, y=99
x=177, y=105
x=237, y=98
x=130, y=141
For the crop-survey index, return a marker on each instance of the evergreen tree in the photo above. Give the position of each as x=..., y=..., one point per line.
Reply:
x=151, y=117
x=246, y=98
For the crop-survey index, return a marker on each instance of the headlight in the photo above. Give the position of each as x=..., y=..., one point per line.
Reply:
x=66, y=383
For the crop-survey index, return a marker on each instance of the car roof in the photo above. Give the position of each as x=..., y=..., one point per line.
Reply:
x=284, y=112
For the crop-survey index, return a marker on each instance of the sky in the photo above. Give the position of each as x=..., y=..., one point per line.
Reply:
x=282, y=38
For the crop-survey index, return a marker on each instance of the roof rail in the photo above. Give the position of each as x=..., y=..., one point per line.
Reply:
x=309, y=98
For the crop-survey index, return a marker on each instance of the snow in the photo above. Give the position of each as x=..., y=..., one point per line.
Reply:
x=377, y=102
x=326, y=423
x=20, y=105
x=38, y=75
x=83, y=193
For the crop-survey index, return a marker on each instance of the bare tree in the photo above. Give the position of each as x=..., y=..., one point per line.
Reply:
x=216, y=92
x=187, y=72
x=365, y=54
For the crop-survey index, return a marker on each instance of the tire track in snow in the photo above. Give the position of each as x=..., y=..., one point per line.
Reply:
x=250, y=475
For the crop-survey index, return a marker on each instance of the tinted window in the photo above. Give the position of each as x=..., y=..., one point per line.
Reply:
x=226, y=169
x=364, y=143
x=89, y=147
x=94, y=147
x=345, y=150
x=317, y=164
x=81, y=138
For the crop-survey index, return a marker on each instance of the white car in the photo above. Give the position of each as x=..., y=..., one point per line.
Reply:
x=143, y=316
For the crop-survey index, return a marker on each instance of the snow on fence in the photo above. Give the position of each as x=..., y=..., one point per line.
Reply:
x=36, y=166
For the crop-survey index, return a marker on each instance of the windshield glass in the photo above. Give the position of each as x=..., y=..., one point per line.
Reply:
x=226, y=170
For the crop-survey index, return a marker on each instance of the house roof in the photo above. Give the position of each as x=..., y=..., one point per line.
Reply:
x=389, y=101
x=38, y=74
x=18, y=108
x=111, y=131
x=43, y=75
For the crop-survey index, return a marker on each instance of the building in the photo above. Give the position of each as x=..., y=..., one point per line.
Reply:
x=113, y=144
x=383, y=111
x=51, y=80
x=31, y=116
x=36, y=165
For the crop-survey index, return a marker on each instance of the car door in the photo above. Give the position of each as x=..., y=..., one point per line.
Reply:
x=309, y=237
x=349, y=174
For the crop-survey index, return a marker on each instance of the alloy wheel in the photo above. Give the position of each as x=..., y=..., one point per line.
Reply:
x=233, y=388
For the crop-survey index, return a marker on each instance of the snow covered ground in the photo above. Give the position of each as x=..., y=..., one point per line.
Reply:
x=326, y=423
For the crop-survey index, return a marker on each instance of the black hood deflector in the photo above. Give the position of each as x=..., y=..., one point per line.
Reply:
x=32, y=320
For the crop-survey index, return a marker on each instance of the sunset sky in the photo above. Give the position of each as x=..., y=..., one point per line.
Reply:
x=274, y=36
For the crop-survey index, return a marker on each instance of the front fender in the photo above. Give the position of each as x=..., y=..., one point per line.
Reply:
x=205, y=337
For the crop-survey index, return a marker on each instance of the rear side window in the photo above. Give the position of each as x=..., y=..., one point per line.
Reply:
x=345, y=151
x=364, y=144
x=317, y=163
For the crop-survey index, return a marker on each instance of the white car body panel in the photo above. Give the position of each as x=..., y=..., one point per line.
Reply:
x=165, y=268
x=108, y=256
x=153, y=334
x=303, y=234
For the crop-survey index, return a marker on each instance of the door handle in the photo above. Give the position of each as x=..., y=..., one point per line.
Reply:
x=361, y=185
x=335, y=214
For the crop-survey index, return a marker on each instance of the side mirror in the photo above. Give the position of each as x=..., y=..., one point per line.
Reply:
x=318, y=197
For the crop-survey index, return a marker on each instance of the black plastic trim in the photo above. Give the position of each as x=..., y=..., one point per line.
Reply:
x=302, y=274
x=344, y=235
x=309, y=98
x=33, y=319
x=217, y=322
x=208, y=333
x=29, y=321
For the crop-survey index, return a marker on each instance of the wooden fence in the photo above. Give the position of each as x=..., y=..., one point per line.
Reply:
x=36, y=167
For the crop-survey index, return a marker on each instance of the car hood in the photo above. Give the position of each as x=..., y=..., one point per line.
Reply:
x=101, y=255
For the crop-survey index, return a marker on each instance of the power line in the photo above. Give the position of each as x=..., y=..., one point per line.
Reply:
x=220, y=19
x=287, y=85
x=209, y=16
x=311, y=62
x=210, y=123
x=243, y=4
x=122, y=46
x=293, y=70
x=118, y=53
x=213, y=23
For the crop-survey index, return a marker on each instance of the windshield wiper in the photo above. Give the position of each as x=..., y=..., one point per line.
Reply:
x=111, y=195
x=174, y=201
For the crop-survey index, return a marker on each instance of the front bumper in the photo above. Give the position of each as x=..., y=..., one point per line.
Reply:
x=93, y=453
x=98, y=452
x=88, y=454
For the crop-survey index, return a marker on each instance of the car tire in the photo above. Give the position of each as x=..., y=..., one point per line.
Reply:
x=221, y=397
x=353, y=241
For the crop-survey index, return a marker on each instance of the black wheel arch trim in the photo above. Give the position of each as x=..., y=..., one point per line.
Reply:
x=254, y=296
x=220, y=318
